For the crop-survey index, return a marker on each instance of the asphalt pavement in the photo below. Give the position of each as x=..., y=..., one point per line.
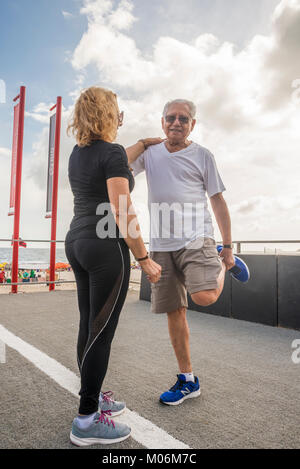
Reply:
x=250, y=385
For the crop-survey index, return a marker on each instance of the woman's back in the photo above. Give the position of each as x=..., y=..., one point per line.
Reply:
x=89, y=168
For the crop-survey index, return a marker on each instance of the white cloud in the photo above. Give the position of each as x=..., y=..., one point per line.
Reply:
x=246, y=112
x=41, y=112
x=122, y=17
x=5, y=151
x=95, y=10
x=232, y=89
x=78, y=82
x=263, y=204
x=43, y=108
x=67, y=14
x=296, y=92
x=114, y=53
x=33, y=224
x=281, y=63
x=237, y=96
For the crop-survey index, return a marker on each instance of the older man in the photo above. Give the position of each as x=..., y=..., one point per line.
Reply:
x=179, y=174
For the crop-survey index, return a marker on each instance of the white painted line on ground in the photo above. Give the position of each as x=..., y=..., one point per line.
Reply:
x=142, y=430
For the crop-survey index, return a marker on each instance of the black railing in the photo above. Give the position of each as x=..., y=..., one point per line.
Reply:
x=46, y=282
x=237, y=244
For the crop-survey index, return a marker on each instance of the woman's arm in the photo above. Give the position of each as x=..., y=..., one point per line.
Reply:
x=126, y=219
x=134, y=151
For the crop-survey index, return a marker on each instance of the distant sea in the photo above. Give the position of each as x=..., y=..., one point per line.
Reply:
x=38, y=258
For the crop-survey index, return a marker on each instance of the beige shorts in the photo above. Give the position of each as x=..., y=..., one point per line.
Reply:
x=193, y=269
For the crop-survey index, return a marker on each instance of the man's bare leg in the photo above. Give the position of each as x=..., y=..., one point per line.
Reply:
x=187, y=386
x=180, y=338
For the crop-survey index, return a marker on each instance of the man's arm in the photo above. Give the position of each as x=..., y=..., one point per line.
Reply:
x=222, y=216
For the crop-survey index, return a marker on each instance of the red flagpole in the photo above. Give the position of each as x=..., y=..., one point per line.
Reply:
x=54, y=193
x=15, y=254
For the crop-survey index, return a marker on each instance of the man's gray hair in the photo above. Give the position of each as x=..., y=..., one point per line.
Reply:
x=190, y=104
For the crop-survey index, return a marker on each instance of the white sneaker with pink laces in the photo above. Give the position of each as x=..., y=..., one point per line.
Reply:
x=107, y=404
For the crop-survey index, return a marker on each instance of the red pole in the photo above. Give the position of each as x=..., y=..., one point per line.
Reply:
x=54, y=193
x=15, y=254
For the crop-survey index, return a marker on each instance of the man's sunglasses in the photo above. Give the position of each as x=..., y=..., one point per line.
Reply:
x=182, y=119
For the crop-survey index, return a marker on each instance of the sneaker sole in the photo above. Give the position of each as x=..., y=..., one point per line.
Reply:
x=244, y=266
x=188, y=396
x=118, y=412
x=94, y=441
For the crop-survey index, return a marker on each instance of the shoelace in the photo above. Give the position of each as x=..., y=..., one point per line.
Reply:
x=104, y=419
x=107, y=396
x=178, y=385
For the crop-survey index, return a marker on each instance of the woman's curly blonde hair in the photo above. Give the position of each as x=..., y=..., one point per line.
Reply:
x=95, y=116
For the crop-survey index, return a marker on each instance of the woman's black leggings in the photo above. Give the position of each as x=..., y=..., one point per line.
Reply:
x=102, y=270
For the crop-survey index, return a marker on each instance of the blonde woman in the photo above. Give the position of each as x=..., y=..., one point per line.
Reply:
x=97, y=247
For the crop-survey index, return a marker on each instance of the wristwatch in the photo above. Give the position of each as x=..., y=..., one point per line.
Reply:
x=228, y=246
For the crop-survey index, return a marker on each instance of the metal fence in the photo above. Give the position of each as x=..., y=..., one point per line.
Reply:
x=237, y=249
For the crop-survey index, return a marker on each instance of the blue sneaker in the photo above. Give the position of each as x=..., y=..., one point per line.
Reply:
x=107, y=404
x=181, y=390
x=101, y=431
x=240, y=270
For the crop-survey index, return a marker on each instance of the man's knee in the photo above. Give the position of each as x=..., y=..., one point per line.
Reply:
x=205, y=297
x=179, y=313
x=178, y=323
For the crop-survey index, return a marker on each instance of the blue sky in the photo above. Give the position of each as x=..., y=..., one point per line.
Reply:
x=36, y=40
x=227, y=56
x=35, y=37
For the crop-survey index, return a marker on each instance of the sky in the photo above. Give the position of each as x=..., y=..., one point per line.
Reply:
x=238, y=61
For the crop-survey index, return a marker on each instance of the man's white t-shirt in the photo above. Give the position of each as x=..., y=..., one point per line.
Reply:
x=177, y=186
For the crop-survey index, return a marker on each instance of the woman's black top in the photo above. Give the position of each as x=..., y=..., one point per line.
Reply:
x=89, y=168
